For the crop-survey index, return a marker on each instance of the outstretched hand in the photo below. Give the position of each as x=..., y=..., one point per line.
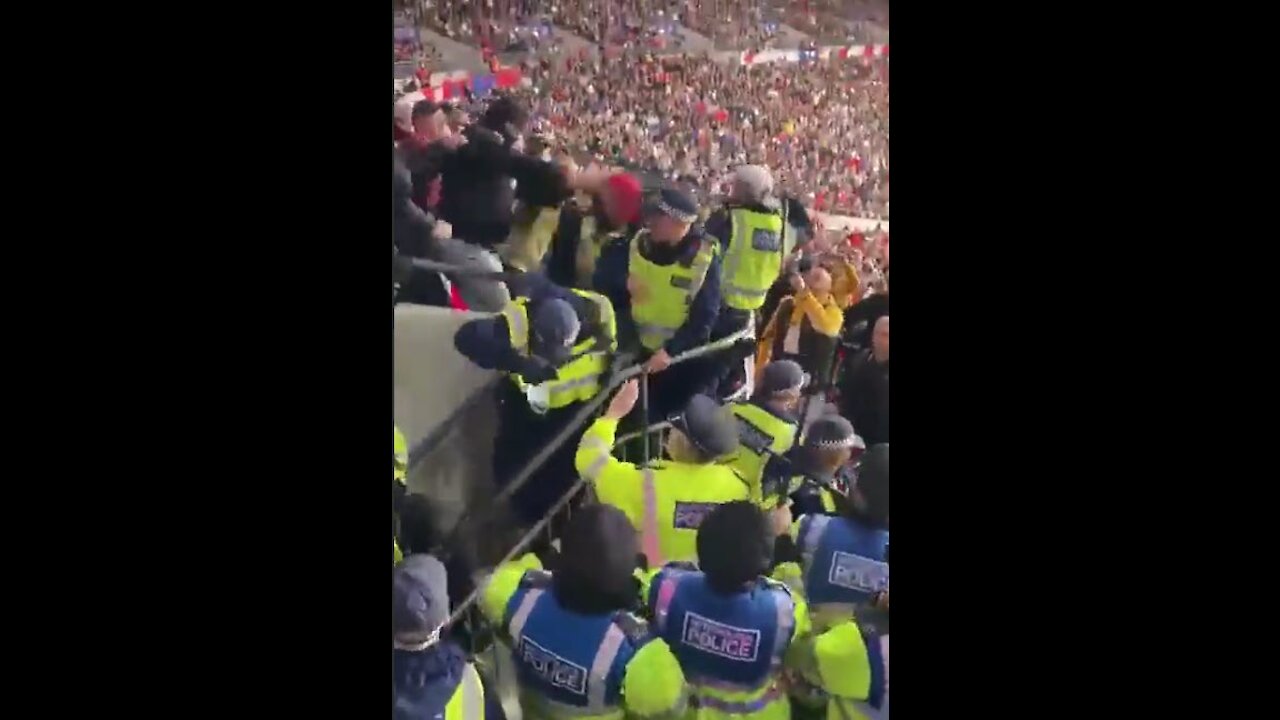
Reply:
x=624, y=400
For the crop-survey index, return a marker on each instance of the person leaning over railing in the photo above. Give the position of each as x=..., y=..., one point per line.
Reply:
x=578, y=650
x=668, y=500
x=729, y=625
x=556, y=346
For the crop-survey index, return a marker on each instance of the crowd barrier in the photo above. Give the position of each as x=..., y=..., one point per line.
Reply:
x=477, y=630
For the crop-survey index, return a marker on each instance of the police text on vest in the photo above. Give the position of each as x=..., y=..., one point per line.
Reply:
x=553, y=668
x=727, y=641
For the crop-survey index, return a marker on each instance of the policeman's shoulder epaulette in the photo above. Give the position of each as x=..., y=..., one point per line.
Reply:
x=634, y=628
x=535, y=579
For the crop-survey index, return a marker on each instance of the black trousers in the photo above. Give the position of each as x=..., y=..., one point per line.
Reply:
x=522, y=433
x=725, y=370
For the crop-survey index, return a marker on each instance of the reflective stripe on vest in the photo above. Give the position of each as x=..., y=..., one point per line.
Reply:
x=467, y=702
x=786, y=620
x=516, y=627
x=734, y=707
x=649, y=542
x=671, y=289
x=754, y=259
x=517, y=324
x=592, y=473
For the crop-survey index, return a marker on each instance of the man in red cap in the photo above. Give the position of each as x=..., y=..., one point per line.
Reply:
x=579, y=237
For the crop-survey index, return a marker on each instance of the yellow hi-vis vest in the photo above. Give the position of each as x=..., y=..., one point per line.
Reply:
x=579, y=379
x=676, y=498
x=671, y=290
x=760, y=434
x=753, y=260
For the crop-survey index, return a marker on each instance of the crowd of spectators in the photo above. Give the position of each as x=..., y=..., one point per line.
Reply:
x=743, y=24
x=823, y=127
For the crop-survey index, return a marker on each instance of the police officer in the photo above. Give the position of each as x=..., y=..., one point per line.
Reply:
x=750, y=228
x=728, y=624
x=767, y=424
x=843, y=560
x=556, y=346
x=809, y=473
x=431, y=676
x=579, y=652
x=840, y=564
x=668, y=500
x=665, y=284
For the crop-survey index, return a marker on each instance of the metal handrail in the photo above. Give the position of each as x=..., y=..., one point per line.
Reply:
x=589, y=407
x=535, y=462
x=656, y=427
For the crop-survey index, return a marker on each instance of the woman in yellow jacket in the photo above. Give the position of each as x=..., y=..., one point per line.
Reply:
x=805, y=327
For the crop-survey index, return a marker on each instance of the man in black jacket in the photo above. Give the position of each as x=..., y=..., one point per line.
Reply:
x=864, y=394
x=860, y=319
x=477, y=192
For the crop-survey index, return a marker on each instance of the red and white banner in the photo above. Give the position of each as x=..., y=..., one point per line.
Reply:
x=826, y=52
x=449, y=85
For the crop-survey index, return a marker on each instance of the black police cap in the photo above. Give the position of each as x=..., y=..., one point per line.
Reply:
x=708, y=426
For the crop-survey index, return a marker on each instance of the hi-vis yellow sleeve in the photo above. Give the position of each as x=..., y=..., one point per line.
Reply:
x=842, y=661
x=654, y=686
x=616, y=483
x=503, y=584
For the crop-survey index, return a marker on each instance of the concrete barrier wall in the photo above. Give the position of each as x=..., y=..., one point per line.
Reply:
x=431, y=380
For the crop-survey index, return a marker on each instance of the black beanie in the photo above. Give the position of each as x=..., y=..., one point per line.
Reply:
x=735, y=545
x=597, y=559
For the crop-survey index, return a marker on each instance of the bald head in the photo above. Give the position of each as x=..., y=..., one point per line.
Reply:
x=880, y=339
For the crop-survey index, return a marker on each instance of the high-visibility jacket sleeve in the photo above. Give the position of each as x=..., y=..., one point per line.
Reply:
x=503, y=584
x=803, y=626
x=617, y=483
x=843, y=661
x=826, y=319
x=654, y=686
x=786, y=553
